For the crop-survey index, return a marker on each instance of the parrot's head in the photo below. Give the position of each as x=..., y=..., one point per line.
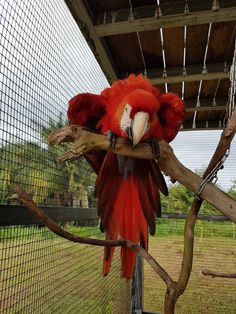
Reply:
x=137, y=113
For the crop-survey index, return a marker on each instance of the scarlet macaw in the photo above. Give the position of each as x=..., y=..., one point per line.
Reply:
x=128, y=189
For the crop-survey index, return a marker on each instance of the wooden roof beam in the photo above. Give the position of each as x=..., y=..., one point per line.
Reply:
x=83, y=20
x=190, y=78
x=167, y=21
x=206, y=104
x=194, y=73
x=202, y=125
x=201, y=128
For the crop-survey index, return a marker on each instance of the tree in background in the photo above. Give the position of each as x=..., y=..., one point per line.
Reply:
x=35, y=166
x=180, y=198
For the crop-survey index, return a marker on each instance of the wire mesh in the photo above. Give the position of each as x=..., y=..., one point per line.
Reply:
x=43, y=273
x=44, y=61
x=214, y=250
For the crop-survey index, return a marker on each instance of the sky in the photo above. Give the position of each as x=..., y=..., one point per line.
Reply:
x=195, y=148
x=45, y=60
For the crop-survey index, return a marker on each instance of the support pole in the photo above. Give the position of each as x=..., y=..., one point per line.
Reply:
x=137, y=286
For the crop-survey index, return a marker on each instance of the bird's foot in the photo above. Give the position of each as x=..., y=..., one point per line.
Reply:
x=153, y=142
x=112, y=137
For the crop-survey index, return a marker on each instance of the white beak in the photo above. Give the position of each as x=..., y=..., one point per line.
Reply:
x=139, y=127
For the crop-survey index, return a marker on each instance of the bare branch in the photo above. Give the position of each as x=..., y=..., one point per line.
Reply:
x=85, y=141
x=186, y=268
x=158, y=269
x=171, y=166
x=218, y=274
x=21, y=196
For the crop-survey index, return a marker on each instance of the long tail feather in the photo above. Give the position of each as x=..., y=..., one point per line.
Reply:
x=127, y=207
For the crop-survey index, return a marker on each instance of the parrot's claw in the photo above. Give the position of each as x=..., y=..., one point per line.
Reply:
x=112, y=137
x=155, y=147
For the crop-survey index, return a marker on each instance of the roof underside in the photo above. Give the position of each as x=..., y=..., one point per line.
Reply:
x=183, y=46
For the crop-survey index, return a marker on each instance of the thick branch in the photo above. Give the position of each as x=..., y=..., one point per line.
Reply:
x=21, y=196
x=187, y=260
x=186, y=268
x=217, y=274
x=85, y=141
x=170, y=165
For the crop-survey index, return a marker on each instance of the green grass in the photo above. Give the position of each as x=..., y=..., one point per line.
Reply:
x=214, y=250
x=43, y=271
x=168, y=227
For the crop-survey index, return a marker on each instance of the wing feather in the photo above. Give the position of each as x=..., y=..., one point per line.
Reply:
x=171, y=115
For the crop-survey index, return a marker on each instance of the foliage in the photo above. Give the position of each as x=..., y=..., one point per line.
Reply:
x=36, y=168
x=180, y=199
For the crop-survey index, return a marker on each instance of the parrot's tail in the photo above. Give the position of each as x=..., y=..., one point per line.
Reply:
x=127, y=206
x=128, y=221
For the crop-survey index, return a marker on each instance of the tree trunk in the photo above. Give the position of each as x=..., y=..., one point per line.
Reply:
x=169, y=306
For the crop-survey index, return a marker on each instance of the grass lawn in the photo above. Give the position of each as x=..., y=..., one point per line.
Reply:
x=213, y=251
x=42, y=273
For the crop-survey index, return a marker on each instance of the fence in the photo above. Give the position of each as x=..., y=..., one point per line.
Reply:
x=214, y=250
x=43, y=273
x=44, y=61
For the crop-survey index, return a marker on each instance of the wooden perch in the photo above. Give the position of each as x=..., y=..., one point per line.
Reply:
x=84, y=141
x=217, y=274
x=21, y=196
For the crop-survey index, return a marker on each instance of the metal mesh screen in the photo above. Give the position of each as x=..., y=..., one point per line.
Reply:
x=43, y=273
x=214, y=250
x=44, y=61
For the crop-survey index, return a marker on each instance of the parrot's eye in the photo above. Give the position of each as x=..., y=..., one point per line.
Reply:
x=125, y=119
x=128, y=108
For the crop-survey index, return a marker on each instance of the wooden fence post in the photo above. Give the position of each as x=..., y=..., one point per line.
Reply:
x=137, y=287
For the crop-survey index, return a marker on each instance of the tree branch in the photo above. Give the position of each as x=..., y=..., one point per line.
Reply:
x=170, y=165
x=21, y=196
x=217, y=274
x=224, y=143
x=85, y=141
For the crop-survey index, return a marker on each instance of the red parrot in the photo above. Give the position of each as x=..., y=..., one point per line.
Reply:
x=127, y=188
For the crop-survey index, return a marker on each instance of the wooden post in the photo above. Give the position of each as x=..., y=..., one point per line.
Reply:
x=137, y=286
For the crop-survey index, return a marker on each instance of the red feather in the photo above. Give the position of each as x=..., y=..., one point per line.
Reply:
x=128, y=190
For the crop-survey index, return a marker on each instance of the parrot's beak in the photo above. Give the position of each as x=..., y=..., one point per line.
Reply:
x=139, y=126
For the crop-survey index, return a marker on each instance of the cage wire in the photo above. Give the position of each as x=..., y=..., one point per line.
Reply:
x=214, y=250
x=43, y=273
x=44, y=61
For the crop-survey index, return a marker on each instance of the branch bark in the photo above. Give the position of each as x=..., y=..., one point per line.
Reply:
x=85, y=141
x=186, y=268
x=218, y=274
x=21, y=196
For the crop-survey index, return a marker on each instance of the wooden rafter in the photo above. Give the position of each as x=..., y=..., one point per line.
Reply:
x=190, y=77
x=193, y=73
x=206, y=104
x=212, y=108
x=167, y=21
x=85, y=24
x=202, y=125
